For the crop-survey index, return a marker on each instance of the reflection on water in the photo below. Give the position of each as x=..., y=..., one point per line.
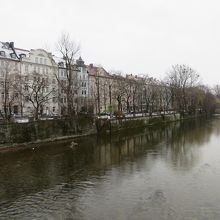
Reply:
x=170, y=172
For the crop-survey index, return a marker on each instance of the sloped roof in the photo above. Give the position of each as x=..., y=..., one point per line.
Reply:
x=97, y=71
x=5, y=46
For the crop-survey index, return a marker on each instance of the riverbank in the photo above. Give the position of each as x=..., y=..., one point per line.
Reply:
x=20, y=136
x=104, y=127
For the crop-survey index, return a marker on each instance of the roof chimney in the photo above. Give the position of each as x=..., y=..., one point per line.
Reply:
x=11, y=45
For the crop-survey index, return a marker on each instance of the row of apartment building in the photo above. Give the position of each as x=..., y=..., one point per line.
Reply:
x=32, y=82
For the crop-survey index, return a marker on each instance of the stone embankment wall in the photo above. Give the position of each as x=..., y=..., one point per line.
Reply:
x=51, y=130
x=114, y=125
x=44, y=130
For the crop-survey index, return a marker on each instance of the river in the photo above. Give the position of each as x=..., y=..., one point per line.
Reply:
x=168, y=172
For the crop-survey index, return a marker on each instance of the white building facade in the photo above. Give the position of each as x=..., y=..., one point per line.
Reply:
x=38, y=71
x=72, y=83
x=28, y=82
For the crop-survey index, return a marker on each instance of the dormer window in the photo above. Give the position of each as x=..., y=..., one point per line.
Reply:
x=2, y=53
x=13, y=55
x=22, y=55
x=61, y=64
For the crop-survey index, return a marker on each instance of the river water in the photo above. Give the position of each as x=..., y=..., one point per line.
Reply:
x=170, y=172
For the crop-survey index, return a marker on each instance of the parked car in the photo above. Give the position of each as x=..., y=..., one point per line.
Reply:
x=129, y=115
x=104, y=115
x=46, y=118
x=138, y=114
x=21, y=120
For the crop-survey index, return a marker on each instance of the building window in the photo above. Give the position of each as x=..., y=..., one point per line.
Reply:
x=36, y=59
x=83, y=84
x=26, y=68
x=54, y=99
x=2, y=73
x=61, y=64
x=16, y=66
x=45, y=61
x=54, y=108
x=22, y=56
x=41, y=61
x=13, y=55
x=26, y=87
x=2, y=53
x=26, y=98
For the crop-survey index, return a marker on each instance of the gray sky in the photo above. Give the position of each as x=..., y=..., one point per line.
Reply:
x=141, y=36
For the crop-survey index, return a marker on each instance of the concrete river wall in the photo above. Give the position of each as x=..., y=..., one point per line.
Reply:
x=51, y=130
x=47, y=130
x=115, y=125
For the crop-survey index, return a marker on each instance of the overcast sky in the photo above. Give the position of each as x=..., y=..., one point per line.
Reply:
x=139, y=37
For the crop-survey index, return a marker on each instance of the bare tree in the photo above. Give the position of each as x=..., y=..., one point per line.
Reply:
x=135, y=87
x=164, y=97
x=217, y=91
x=97, y=93
x=95, y=89
x=100, y=88
x=128, y=90
x=181, y=78
x=9, y=82
x=69, y=85
x=140, y=95
x=209, y=102
x=151, y=92
x=118, y=91
x=36, y=90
